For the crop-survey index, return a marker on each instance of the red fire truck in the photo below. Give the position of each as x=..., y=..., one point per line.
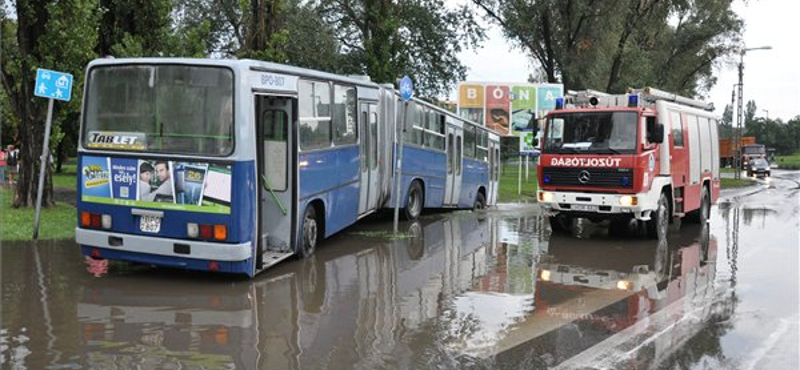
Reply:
x=647, y=155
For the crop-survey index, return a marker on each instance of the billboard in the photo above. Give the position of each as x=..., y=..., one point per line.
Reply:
x=507, y=108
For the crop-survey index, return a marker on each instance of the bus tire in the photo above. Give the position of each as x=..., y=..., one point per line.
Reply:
x=310, y=237
x=480, y=202
x=414, y=201
x=659, y=221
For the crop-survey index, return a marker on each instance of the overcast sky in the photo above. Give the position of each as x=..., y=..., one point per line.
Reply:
x=771, y=77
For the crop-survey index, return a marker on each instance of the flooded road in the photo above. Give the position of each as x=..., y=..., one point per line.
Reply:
x=458, y=290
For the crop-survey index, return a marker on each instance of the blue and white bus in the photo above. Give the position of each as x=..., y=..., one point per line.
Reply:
x=235, y=165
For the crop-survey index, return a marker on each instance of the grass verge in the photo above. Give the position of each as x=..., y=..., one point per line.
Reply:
x=57, y=222
x=735, y=183
x=508, y=184
x=788, y=162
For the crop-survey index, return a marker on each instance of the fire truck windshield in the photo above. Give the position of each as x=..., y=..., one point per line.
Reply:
x=591, y=133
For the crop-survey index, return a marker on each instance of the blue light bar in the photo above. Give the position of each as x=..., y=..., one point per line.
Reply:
x=560, y=102
x=633, y=100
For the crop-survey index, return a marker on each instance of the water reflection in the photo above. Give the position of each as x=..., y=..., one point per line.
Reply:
x=499, y=291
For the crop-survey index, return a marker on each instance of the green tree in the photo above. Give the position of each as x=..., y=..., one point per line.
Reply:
x=386, y=39
x=56, y=35
x=133, y=27
x=612, y=45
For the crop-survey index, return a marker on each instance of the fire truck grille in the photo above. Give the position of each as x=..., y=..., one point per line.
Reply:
x=592, y=177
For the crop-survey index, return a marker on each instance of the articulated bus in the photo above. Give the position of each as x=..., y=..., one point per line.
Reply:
x=235, y=165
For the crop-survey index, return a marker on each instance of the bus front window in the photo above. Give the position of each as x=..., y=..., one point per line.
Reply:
x=592, y=133
x=160, y=108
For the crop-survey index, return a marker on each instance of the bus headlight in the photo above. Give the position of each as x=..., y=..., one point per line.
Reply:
x=545, y=275
x=627, y=201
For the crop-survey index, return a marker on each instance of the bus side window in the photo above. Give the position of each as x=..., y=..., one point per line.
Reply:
x=315, y=115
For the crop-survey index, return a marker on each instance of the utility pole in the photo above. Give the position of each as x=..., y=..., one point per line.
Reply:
x=737, y=135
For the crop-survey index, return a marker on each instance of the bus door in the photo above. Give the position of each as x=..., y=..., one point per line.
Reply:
x=368, y=149
x=452, y=187
x=275, y=181
x=494, y=168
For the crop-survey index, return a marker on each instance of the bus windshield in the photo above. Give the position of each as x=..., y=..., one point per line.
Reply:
x=592, y=133
x=160, y=108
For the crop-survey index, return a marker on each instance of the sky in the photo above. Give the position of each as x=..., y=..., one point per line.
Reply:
x=771, y=77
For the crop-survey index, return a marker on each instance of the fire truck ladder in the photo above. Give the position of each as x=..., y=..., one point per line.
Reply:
x=651, y=95
x=646, y=96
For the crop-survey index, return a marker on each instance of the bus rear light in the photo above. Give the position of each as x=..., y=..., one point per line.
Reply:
x=96, y=220
x=206, y=231
x=213, y=265
x=192, y=230
x=105, y=220
x=220, y=232
x=86, y=219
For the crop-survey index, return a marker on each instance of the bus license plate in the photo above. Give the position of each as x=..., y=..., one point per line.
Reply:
x=150, y=224
x=584, y=207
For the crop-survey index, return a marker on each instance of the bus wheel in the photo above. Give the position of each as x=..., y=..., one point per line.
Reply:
x=414, y=201
x=310, y=233
x=480, y=202
x=659, y=220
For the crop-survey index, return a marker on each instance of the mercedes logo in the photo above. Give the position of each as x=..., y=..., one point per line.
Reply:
x=584, y=176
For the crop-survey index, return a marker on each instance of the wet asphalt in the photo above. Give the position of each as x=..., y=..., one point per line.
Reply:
x=492, y=290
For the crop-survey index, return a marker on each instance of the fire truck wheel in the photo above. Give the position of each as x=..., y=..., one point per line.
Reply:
x=701, y=215
x=659, y=220
x=619, y=226
x=561, y=223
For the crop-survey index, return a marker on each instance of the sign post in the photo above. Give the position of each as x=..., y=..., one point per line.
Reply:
x=406, y=93
x=50, y=85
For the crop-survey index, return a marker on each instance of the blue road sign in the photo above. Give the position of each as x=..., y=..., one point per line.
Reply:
x=53, y=85
x=406, y=88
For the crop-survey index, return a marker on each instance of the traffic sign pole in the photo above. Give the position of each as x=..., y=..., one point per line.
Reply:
x=42, y=168
x=406, y=93
x=399, y=169
x=50, y=85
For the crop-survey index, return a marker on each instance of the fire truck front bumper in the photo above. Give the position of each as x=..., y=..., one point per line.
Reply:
x=598, y=206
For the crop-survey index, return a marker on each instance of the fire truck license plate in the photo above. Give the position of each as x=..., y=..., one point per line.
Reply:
x=150, y=224
x=584, y=207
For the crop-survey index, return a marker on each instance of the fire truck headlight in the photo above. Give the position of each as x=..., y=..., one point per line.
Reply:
x=624, y=285
x=545, y=275
x=546, y=196
x=627, y=201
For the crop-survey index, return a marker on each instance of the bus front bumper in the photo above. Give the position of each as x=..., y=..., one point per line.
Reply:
x=595, y=205
x=178, y=248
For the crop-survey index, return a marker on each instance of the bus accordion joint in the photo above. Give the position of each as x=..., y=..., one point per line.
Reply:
x=267, y=187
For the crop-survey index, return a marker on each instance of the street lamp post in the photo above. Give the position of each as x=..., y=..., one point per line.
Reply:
x=737, y=136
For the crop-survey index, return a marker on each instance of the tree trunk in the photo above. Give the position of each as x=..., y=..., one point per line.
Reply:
x=32, y=21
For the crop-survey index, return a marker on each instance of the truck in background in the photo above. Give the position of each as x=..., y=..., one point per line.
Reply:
x=727, y=150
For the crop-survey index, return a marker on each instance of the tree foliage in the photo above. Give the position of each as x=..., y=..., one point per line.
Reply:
x=59, y=35
x=612, y=45
x=387, y=39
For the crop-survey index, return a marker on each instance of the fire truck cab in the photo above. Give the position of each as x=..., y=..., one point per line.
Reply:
x=647, y=155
